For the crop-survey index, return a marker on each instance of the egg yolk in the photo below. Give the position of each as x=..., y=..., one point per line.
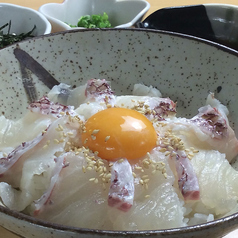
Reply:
x=119, y=133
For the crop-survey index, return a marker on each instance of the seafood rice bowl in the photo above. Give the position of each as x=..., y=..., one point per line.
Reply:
x=99, y=158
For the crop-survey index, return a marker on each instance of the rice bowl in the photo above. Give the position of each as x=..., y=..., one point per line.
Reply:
x=151, y=60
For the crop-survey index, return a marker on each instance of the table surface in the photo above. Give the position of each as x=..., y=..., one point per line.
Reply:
x=155, y=5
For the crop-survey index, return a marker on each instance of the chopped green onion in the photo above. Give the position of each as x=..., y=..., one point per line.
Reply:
x=93, y=21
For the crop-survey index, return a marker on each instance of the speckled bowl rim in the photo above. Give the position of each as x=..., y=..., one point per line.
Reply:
x=232, y=219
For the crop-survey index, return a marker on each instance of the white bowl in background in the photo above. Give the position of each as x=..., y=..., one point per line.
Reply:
x=23, y=20
x=121, y=13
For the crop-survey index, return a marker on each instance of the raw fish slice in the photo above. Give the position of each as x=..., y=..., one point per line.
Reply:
x=156, y=203
x=13, y=133
x=142, y=90
x=45, y=198
x=178, y=157
x=98, y=92
x=81, y=203
x=97, y=88
x=64, y=94
x=187, y=179
x=217, y=181
x=121, y=192
x=40, y=115
x=152, y=107
x=212, y=119
x=7, y=162
x=30, y=175
x=197, y=133
x=161, y=210
x=46, y=107
x=211, y=122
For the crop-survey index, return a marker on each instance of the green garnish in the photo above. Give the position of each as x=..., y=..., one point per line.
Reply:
x=10, y=38
x=93, y=21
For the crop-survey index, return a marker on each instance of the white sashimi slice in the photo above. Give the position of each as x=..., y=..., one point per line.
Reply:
x=99, y=96
x=40, y=115
x=30, y=175
x=64, y=94
x=13, y=133
x=187, y=179
x=156, y=203
x=142, y=90
x=121, y=192
x=81, y=203
x=208, y=130
x=193, y=136
x=152, y=107
x=162, y=210
x=217, y=181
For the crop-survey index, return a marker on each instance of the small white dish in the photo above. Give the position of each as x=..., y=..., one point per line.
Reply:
x=121, y=13
x=23, y=20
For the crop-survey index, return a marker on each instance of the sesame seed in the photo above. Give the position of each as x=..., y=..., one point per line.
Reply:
x=147, y=196
x=146, y=180
x=107, y=138
x=95, y=132
x=173, y=153
x=61, y=127
x=56, y=141
x=96, y=180
x=163, y=150
x=100, y=162
x=5, y=154
x=145, y=176
x=44, y=147
x=141, y=182
x=91, y=179
x=170, y=148
x=120, y=160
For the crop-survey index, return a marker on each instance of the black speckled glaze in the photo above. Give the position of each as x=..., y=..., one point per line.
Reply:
x=184, y=68
x=215, y=22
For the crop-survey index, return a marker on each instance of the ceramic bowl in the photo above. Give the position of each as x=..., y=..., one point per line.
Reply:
x=184, y=68
x=120, y=13
x=23, y=20
x=215, y=22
